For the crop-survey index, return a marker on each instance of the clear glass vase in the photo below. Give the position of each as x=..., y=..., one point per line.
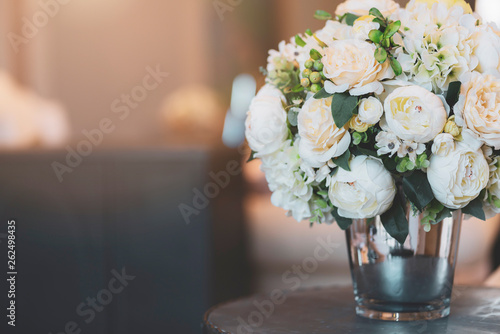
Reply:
x=406, y=282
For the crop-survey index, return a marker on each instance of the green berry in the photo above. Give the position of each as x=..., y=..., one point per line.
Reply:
x=318, y=65
x=356, y=136
x=315, y=88
x=315, y=77
x=309, y=63
x=305, y=82
x=306, y=73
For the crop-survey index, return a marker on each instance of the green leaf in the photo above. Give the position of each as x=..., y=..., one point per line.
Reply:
x=343, y=222
x=396, y=66
x=322, y=15
x=309, y=32
x=375, y=12
x=299, y=41
x=343, y=108
x=375, y=36
x=445, y=213
x=380, y=55
x=343, y=161
x=323, y=193
x=475, y=209
x=392, y=29
x=382, y=22
x=364, y=151
x=395, y=222
x=252, y=156
x=315, y=54
x=322, y=94
x=292, y=117
x=453, y=93
x=417, y=189
x=350, y=18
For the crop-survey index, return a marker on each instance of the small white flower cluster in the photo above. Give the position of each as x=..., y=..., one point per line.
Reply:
x=379, y=94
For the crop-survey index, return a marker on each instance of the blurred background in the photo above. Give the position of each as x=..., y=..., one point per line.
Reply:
x=121, y=137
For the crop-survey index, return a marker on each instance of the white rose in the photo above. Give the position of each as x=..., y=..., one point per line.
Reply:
x=321, y=140
x=478, y=108
x=351, y=65
x=458, y=177
x=443, y=144
x=413, y=113
x=487, y=49
x=370, y=110
x=363, y=25
x=365, y=192
x=362, y=7
x=266, y=127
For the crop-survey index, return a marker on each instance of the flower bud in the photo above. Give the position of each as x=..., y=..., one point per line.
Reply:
x=315, y=77
x=318, y=65
x=357, y=125
x=452, y=128
x=306, y=73
x=315, y=88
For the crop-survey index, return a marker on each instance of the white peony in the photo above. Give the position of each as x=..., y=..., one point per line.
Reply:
x=415, y=114
x=266, y=127
x=362, y=7
x=448, y=3
x=478, y=108
x=458, y=177
x=321, y=140
x=487, y=49
x=291, y=186
x=370, y=110
x=334, y=30
x=443, y=144
x=365, y=192
x=351, y=65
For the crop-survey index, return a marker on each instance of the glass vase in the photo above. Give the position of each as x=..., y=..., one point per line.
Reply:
x=406, y=282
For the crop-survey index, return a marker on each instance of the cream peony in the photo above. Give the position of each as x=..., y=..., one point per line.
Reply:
x=413, y=113
x=449, y=3
x=362, y=7
x=321, y=140
x=487, y=49
x=478, y=108
x=351, y=65
x=370, y=110
x=458, y=177
x=266, y=127
x=443, y=144
x=365, y=192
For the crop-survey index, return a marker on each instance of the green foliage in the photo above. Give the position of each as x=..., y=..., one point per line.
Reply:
x=392, y=29
x=322, y=94
x=396, y=66
x=453, y=93
x=375, y=36
x=299, y=41
x=350, y=18
x=395, y=222
x=475, y=208
x=343, y=223
x=417, y=189
x=343, y=161
x=344, y=106
x=381, y=55
x=322, y=15
x=315, y=54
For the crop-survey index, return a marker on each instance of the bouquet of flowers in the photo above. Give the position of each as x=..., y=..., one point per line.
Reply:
x=384, y=110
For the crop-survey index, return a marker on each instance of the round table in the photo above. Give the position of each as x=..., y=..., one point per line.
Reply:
x=331, y=310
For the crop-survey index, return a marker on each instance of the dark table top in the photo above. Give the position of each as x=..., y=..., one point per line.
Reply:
x=331, y=310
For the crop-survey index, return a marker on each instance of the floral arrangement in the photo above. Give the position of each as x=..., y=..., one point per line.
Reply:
x=384, y=109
